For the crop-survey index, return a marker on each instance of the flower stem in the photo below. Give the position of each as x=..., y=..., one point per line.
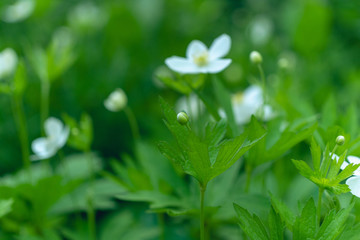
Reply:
x=263, y=82
x=44, y=107
x=202, y=213
x=321, y=190
x=19, y=115
x=132, y=121
x=91, y=216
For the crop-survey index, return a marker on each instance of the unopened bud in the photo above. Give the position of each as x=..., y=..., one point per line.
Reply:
x=255, y=57
x=116, y=101
x=182, y=118
x=340, y=140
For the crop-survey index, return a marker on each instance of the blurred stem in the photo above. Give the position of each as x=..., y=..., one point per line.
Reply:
x=44, y=108
x=19, y=115
x=321, y=190
x=248, y=170
x=161, y=222
x=202, y=213
x=132, y=121
x=91, y=216
x=263, y=83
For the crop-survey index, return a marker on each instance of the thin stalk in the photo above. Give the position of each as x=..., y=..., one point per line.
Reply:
x=202, y=213
x=91, y=217
x=132, y=121
x=161, y=222
x=321, y=190
x=248, y=179
x=19, y=115
x=263, y=83
x=44, y=106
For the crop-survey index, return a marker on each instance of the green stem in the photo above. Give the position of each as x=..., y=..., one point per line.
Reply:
x=321, y=190
x=248, y=178
x=161, y=223
x=132, y=121
x=44, y=107
x=263, y=82
x=20, y=119
x=91, y=217
x=202, y=213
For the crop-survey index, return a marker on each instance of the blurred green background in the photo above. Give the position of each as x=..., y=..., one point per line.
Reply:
x=123, y=43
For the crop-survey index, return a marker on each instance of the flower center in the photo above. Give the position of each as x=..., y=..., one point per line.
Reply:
x=201, y=59
x=238, y=98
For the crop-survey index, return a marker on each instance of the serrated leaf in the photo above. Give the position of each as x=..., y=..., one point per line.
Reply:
x=305, y=225
x=315, y=154
x=303, y=168
x=276, y=226
x=333, y=224
x=284, y=212
x=251, y=225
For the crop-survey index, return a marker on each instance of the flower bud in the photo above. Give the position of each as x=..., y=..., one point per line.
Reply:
x=116, y=101
x=255, y=57
x=340, y=140
x=182, y=118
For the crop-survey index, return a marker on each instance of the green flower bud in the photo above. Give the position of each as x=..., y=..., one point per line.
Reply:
x=340, y=140
x=182, y=118
x=255, y=57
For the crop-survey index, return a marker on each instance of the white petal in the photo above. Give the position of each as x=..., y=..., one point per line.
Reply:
x=18, y=11
x=195, y=47
x=220, y=47
x=217, y=65
x=181, y=65
x=253, y=96
x=62, y=138
x=8, y=62
x=268, y=113
x=354, y=185
x=343, y=165
x=43, y=149
x=53, y=127
x=242, y=113
x=335, y=157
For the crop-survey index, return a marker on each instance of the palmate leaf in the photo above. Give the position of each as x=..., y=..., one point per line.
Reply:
x=284, y=212
x=251, y=225
x=206, y=158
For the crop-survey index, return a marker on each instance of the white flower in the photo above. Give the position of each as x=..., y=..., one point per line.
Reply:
x=56, y=137
x=8, y=62
x=116, y=101
x=18, y=11
x=248, y=103
x=354, y=181
x=200, y=59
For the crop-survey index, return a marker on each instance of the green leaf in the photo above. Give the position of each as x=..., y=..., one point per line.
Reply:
x=315, y=154
x=251, y=225
x=328, y=114
x=305, y=225
x=276, y=227
x=333, y=224
x=5, y=206
x=303, y=168
x=284, y=212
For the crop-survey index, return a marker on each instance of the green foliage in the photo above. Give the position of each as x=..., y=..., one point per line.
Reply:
x=193, y=154
x=326, y=170
x=5, y=206
x=81, y=134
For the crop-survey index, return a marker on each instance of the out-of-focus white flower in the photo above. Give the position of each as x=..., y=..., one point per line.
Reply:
x=116, y=101
x=8, y=62
x=260, y=30
x=56, y=137
x=200, y=59
x=18, y=11
x=87, y=16
x=192, y=106
x=247, y=103
x=354, y=181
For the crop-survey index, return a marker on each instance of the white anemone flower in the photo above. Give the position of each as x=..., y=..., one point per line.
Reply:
x=18, y=11
x=354, y=181
x=247, y=103
x=116, y=101
x=56, y=137
x=200, y=59
x=8, y=62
